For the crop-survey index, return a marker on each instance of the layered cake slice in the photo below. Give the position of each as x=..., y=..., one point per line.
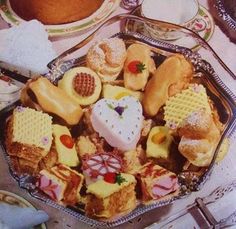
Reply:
x=61, y=183
x=111, y=196
x=156, y=182
x=29, y=138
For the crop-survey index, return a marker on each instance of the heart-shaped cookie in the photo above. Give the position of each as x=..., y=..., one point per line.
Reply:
x=118, y=121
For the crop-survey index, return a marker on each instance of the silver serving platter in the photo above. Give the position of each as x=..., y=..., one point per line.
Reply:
x=223, y=98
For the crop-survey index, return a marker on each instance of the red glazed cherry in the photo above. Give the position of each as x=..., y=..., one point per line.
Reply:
x=67, y=141
x=136, y=66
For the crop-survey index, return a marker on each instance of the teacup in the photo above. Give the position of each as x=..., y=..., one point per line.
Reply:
x=180, y=12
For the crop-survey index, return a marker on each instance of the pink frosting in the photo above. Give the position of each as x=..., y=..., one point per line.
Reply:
x=50, y=187
x=164, y=186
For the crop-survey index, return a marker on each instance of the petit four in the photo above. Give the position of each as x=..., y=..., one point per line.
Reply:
x=118, y=92
x=172, y=76
x=85, y=146
x=116, y=198
x=132, y=161
x=119, y=122
x=51, y=185
x=158, y=143
x=138, y=66
x=29, y=137
x=106, y=58
x=61, y=183
x=184, y=103
x=51, y=99
x=97, y=165
x=156, y=182
x=64, y=145
x=82, y=84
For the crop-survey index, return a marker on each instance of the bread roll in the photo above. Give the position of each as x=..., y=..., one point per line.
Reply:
x=172, y=76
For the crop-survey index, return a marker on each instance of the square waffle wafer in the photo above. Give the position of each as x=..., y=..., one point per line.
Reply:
x=29, y=137
x=178, y=107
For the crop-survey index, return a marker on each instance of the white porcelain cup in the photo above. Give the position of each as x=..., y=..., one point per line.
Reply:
x=180, y=12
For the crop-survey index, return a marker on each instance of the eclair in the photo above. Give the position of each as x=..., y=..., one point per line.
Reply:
x=138, y=66
x=172, y=76
x=41, y=94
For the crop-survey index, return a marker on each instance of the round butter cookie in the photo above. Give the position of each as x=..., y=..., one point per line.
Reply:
x=81, y=83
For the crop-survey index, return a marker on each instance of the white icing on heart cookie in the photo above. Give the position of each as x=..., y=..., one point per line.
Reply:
x=119, y=122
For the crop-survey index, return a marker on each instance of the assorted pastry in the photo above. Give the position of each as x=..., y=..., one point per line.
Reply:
x=116, y=132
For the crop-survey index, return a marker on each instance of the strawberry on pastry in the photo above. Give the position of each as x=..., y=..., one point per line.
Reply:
x=118, y=121
x=136, y=66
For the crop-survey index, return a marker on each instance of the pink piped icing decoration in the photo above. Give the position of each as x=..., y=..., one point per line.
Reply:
x=45, y=140
x=197, y=88
x=171, y=125
x=20, y=109
x=96, y=166
x=51, y=188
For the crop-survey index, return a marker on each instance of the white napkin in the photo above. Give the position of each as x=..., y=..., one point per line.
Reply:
x=14, y=217
x=26, y=46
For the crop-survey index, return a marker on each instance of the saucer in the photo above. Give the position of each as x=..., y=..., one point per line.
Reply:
x=206, y=33
x=13, y=199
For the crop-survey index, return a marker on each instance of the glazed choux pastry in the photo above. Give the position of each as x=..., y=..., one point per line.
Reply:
x=138, y=66
x=199, y=138
x=106, y=58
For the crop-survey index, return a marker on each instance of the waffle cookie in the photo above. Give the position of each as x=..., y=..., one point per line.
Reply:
x=178, y=107
x=29, y=137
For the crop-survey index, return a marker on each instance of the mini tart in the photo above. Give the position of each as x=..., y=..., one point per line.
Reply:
x=82, y=84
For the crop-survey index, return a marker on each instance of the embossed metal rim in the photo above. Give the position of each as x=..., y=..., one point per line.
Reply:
x=222, y=13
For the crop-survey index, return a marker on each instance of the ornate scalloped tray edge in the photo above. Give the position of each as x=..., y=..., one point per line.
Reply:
x=188, y=184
